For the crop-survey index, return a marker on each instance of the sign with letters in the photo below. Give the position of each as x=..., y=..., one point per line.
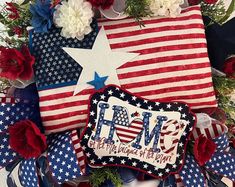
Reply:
x=126, y=130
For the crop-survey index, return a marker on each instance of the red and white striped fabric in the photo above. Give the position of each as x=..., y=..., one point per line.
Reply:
x=127, y=134
x=173, y=65
x=79, y=152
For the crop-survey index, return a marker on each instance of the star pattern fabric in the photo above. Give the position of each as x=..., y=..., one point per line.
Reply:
x=7, y=155
x=13, y=112
x=53, y=64
x=28, y=173
x=62, y=158
x=56, y=76
x=191, y=173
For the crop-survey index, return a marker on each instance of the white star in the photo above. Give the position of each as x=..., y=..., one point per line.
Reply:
x=104, y=163
x=180, y=108
x=111, y=159
x=134, y=98
x=102, y=96
x=138, y=105
x=95, y=101
x=123, y=161
x=92, y=113
x=150, y=107
x=88, y=154
x=89, y=125
x=134, y=164
x=110, y=92
x=122, y=95
x=183, y=115
x=86, y=136
x=169, y=105
x=98, y=59
x=92, y=161
x=161, y=110
x=145, y=166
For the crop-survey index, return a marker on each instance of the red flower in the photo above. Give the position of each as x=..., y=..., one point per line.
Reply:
x=14, y=11
x=210, y=1
x=203, y=149
x=26, y=139
x=16, y=64
x=229, y=67
x=194, y=2
x=104, y=4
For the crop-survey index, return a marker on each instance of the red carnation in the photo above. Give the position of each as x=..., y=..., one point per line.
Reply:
x=194, y=2
x=203, y=149
x=104, y=4
x=210, y=1
x=229, y=67
x=26, y=139
x=16, y=64
x=14, y=14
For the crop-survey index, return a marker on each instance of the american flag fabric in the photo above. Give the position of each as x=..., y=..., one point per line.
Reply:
x=173, y=65
x=56, y=77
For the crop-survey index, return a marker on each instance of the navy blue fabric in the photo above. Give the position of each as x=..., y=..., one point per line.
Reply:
x=221, y=42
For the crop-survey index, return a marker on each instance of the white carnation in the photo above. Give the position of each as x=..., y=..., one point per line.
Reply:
x=169, y=8
x=75, y=17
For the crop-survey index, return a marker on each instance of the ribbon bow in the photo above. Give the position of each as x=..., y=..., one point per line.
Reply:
x=64, y=154
x=221, y=163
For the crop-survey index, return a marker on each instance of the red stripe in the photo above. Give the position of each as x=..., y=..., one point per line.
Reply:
x=192, y=96
x=64, y=115
x=125, y=135
x=164, y=59
x=165, y=80
x=64, y=105
x=170, y=48
x=62, y=125
x=175, y=89
x=156, y=39
x=163, y=70
x=151, y=21
x=137, y=122
x=155, y=30
x=208, y=134
x=214, y=126
x=76, y=141
x=63, y=95
x=211, y=103
x=198, y=131
x=127, y=130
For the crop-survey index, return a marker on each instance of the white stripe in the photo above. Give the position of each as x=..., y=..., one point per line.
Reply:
x=82, y=162
x=169, y=85
x=203, y=99
x=164, y=75
x=127, y=133
x=64, y=128
x=152, y=26
x=204, y=106
x=53, y=91
x=162, y=44
x=220, y=129
x=211, y=131
x=116, y=22
x=64, y=100
x=179, y=93
x=169, y=53
x=133, y=124
x=142, y=67
x=154, y=34
x=64, y=120
x=64, y=110
x=126, y=139
x=195, y=135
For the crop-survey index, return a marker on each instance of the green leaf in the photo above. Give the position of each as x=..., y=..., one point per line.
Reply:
x=25, y=2
x=10, y=33
x=228, y=12
x=1, y=16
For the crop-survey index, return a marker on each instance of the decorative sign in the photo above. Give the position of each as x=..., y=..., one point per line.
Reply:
x=130, y=131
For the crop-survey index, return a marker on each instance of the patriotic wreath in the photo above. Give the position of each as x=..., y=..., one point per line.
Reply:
x=72, y=71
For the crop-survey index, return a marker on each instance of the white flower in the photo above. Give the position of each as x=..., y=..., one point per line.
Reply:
x=169, y=8
x=75, y=17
